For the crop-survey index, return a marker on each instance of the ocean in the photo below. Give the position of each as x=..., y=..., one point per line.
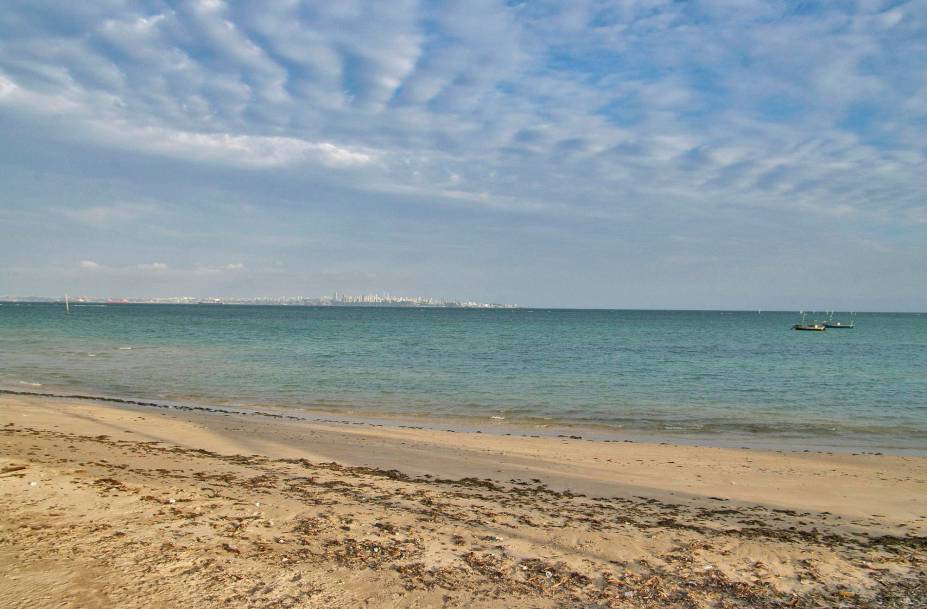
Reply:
x=726, y=378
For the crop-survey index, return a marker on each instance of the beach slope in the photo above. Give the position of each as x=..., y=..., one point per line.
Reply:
x=109, y=506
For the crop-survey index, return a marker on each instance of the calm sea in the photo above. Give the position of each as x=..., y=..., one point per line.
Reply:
x=724, y=377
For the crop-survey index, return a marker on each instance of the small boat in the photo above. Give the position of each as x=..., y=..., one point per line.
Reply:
x=830, y=323
x=814, y=326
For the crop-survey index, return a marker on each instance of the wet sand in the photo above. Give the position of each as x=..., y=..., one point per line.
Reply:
x=128, y=506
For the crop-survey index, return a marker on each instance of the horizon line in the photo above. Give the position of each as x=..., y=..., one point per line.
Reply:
x=50, y=300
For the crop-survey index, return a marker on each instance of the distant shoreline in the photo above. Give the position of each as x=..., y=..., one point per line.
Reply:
x=486, y=306
x=262, y=303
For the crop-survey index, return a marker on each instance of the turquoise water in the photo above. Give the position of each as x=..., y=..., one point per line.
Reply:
x=726, y=376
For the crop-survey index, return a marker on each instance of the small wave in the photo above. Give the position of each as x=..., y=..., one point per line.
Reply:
x=125, y=348
x=498, y=418
x=30, y=384
x=91, y=355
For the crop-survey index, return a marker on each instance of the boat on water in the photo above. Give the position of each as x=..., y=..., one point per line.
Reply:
x=831, y=323
x=814, y=326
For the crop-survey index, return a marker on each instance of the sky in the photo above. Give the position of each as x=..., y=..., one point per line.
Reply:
x=637, y=154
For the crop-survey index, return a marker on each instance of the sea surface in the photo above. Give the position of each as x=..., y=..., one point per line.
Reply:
x=729, y=378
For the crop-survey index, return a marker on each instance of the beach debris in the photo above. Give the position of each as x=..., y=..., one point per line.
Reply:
x=109, y=484
x=386, y=527
x=33, y=483
x=434, y=520
x=352, y=553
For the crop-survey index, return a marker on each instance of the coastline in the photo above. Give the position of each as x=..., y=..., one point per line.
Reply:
x=435, y=517
x=518, y=426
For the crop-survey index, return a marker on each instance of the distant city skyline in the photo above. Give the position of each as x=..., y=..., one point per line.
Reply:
x=333, y=299
x=662, y=155
x=384, y=299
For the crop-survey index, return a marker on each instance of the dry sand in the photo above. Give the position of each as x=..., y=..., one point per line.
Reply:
x=107, y=506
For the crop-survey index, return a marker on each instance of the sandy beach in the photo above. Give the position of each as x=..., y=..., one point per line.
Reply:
x=119, y=506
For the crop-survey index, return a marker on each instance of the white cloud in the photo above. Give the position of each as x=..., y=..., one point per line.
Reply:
x=7, y=86
x=153, y=266
x=542, y=97
x=206, y=270
x=89, y=265
x=245, y=150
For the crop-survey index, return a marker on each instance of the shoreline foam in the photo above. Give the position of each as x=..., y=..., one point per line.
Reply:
x=546, y=427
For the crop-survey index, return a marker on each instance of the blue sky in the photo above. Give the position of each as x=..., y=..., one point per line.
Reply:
x=717, y=154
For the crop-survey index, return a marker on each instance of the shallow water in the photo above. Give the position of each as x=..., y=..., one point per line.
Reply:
x=681, y=373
